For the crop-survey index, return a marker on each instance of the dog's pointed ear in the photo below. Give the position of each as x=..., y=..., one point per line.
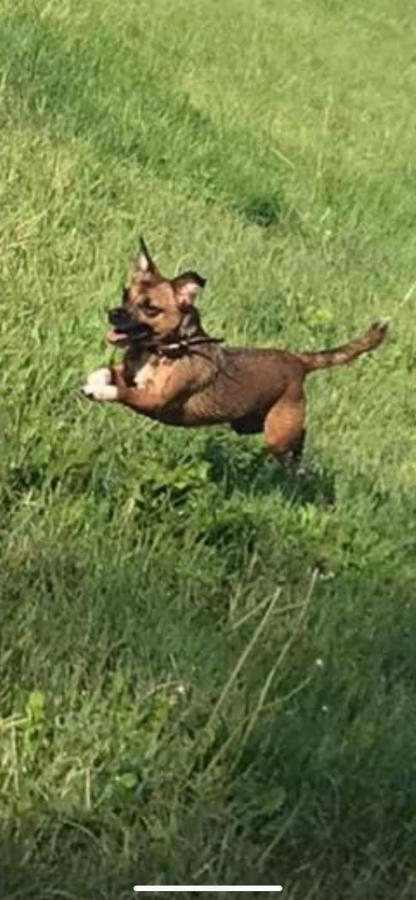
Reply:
x=187, y=287
x=144, y=263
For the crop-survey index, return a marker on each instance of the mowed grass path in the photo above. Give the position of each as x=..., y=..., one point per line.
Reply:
x=208, y=669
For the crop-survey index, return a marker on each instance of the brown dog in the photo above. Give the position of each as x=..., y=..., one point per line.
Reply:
x=174, y=372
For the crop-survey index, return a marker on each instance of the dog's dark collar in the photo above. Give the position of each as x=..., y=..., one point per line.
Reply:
x=178, y=347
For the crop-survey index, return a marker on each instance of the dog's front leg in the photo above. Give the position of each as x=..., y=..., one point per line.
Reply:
x=109, y=384
x=141, y=400
x=101, y=385
x=145, y=399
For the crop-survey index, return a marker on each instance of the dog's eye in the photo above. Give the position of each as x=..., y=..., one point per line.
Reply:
x=149, y=309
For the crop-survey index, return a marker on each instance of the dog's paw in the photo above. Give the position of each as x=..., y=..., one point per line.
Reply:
x=99, y=387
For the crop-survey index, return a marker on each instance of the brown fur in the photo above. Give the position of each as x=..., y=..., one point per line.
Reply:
x=253, y=390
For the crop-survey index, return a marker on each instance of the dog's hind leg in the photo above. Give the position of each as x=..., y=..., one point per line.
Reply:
x=283, y=427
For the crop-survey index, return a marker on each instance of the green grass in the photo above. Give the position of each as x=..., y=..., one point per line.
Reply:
x=207, y=668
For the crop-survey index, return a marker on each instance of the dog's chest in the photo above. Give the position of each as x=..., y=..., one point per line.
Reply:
x=154, y=372
x=144, y=375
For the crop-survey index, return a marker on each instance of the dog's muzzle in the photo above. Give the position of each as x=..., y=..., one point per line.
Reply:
x=125, y=329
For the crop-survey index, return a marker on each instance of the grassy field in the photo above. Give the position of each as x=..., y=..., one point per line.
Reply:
x=208, y=668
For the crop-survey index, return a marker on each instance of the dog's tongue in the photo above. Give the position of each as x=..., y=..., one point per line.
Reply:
x=113, y=337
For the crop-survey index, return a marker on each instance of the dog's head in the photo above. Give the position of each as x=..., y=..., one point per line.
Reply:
x=152, y=306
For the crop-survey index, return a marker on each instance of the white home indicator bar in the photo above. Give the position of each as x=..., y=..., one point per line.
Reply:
x=206, y=888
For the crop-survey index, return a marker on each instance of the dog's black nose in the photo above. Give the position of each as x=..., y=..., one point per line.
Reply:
x=116, y=316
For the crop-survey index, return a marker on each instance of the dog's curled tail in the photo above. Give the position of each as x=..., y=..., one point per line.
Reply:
x=340, y=356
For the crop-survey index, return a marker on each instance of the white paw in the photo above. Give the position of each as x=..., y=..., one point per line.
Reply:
x=99, y=387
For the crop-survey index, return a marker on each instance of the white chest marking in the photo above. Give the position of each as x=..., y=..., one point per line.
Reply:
x=143, y=376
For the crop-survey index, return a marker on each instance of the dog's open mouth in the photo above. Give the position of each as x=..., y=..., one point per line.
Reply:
x=119, y=338
x=124, y=330
x=122, y=338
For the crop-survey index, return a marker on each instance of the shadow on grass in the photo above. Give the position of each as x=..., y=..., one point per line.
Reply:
x=79, y=874
x=252, y=472
x=43, y=64
x=321, y=791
